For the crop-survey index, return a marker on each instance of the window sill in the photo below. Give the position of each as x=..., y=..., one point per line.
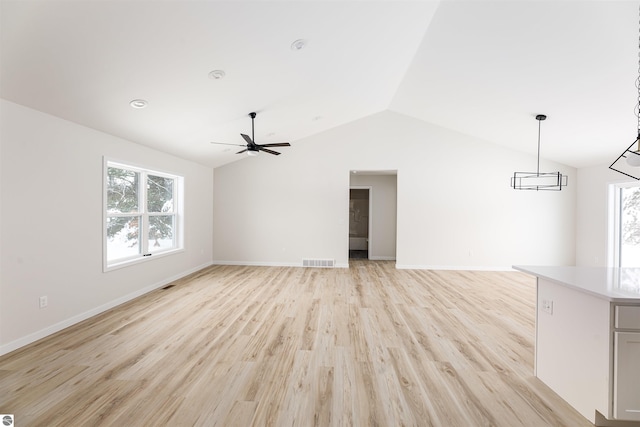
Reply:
x=139, y=260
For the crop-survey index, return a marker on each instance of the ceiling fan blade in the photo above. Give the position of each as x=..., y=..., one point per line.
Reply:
x=246, y=138
x=277, y=144
x=241, y=151
x=261, y=148
x=224, y=143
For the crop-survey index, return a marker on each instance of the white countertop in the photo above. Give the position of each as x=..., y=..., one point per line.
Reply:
x=613, y=284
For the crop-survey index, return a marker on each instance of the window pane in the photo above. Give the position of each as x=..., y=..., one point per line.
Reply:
x=122, y=190
x=122, y=237
x=630, y=227
x=159, y=194
x=161, y=232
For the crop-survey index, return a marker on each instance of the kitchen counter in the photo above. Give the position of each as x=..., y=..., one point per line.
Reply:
x=620, y=285
x=588, y=339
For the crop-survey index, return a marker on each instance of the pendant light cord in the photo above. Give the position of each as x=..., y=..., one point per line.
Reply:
x=539, y=118
x=637, y=108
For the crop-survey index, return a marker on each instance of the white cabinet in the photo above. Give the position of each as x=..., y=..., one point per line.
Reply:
x=573, y=347
x=626, y=363
x=626, y=392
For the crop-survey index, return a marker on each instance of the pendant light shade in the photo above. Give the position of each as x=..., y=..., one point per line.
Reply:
x=633, y=157
x=628, y=163
x=538, y=181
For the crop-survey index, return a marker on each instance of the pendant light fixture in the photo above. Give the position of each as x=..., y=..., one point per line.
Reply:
x=547, y=181
x=628, y=163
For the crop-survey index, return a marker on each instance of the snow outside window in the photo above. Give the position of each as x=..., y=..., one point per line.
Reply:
x=626, y=225
x=141, y=214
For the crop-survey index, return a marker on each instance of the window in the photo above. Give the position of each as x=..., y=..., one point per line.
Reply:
x=626, y=241
x=142, y=215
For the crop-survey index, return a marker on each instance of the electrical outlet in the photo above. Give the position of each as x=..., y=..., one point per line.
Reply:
x=44, y=301
x=547, y=306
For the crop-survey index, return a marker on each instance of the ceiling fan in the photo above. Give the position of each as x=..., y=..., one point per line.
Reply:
x=252, y=148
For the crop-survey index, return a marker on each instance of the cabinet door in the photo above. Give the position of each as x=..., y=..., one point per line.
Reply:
x=626, y=398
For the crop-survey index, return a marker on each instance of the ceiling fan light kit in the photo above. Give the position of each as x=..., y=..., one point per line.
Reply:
x=630, y=166
x=538, y=181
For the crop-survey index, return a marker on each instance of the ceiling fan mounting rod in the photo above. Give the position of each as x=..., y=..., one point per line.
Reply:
x=253, y=136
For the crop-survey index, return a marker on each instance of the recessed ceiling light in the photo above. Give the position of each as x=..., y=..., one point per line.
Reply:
x=217, y=74
x=138, y=103
x=298, y=44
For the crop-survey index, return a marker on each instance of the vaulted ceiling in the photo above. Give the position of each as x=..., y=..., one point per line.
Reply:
x=483, y=68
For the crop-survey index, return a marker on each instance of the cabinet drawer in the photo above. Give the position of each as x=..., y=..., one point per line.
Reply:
x=627, y=317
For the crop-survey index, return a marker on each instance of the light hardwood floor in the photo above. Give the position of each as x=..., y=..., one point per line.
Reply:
x=242, y=346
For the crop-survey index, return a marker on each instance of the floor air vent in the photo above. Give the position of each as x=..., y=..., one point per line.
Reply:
x=168, y=287
x=318, y=263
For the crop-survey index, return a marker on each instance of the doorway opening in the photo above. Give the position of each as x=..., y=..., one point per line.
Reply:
x=372, y=214
x=359, y=222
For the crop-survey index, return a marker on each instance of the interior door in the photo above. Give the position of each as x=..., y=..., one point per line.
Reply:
x=359, y=217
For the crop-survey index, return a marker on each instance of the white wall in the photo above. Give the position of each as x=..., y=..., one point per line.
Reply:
x=383, y=214
x=455, y=208
x=592, y=217
x=51, y=229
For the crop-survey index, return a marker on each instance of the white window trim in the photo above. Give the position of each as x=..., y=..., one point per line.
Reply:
x=178, y=208
x=615, y=213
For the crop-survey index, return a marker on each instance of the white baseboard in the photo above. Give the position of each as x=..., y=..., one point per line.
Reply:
x=257, y=263
x=381, y=258
x=452, y=267
x=271, y=263
x=372, y=258
x=28, y=339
